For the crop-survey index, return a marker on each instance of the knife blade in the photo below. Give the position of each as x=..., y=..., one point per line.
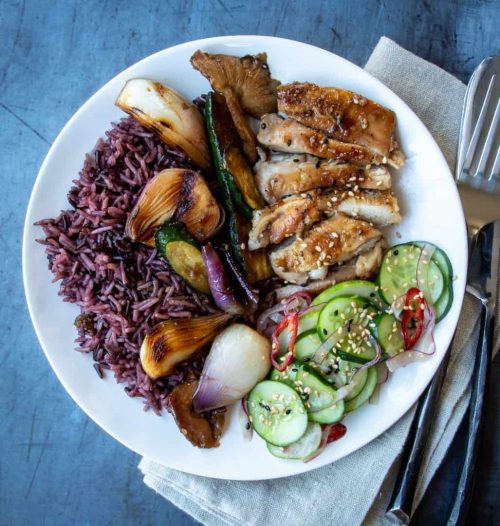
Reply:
x=482, y=282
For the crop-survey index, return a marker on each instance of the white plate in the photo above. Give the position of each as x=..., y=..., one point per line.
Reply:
x=431, y=210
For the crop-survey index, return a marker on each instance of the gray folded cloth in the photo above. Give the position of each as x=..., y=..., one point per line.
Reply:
x=354, y=490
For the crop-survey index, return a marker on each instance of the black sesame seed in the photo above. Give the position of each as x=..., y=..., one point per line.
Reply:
x=288, y=411
x=325, y=331
x=395, y=252
x=247, y=426
x=335, y=312
x=305, y=396
x=366, y=305
x=295, y=370
x=372, y=295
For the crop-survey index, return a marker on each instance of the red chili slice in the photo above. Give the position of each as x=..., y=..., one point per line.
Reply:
x=336, y=432
x=413, y=317
x=291, y=322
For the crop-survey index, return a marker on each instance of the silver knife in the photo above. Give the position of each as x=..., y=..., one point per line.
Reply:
x=482, y=282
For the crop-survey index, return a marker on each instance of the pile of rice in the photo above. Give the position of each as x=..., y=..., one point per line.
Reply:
x=123, y=289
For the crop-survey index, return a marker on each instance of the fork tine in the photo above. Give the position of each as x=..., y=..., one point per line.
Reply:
x=488, y=143
x=496, y=167
x=471, y=150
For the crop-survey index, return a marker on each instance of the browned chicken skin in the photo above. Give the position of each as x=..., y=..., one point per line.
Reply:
x=293, y=137
x=341, y=114
x=282, y=175
x=202, y=430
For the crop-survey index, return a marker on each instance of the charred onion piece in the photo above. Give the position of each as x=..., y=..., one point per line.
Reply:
x=202, y=430
x=161, y=109
x=177, y=194
x=174, y=341
x=246, y=84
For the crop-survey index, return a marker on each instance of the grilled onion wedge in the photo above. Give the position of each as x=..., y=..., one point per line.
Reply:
x=174, y=341
x=176, y=121
x=175, y=194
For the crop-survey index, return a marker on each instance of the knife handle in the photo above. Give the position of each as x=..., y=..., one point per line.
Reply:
x=458, y=515
x=403, y=494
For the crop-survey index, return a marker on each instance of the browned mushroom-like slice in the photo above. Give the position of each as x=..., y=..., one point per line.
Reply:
x=246, y=84
x=201, y=429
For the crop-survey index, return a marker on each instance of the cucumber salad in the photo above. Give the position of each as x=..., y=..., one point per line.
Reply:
x=330, y=354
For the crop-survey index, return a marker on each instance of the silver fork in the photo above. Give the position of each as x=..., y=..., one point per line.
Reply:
x=477, y=166
x=478, y=159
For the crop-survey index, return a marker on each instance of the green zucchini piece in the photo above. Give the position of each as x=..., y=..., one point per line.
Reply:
x=230, y=162
x=178, y=247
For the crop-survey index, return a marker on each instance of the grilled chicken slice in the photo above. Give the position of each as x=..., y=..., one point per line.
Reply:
x=334, y=240
x=284, y=175
x=368, y=263
x=379, y=208
x=293, y=215
x=286, y=218
x=341, y=114
x=292, y=137
x=364, y=266
x=247, y=86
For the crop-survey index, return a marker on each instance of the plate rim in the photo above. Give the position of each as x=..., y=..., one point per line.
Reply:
x=221, y=40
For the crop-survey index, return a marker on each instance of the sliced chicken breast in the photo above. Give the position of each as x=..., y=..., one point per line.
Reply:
x=332, y=241
x=379, y=208
x=295, y=214
x=286, y=218
x=340, y=114
x=284, y=175
x=292, y=137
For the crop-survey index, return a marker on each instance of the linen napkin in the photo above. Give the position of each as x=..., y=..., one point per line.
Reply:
x=354, y=490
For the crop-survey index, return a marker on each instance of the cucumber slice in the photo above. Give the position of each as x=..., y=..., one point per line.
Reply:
x=338, y=311
x=277, y=413
x=330, y=415
x=288, y=376
x=364, y=289
x=398, y=273
x=354, y=345
x=306, y=345
x=307, y=322
x=360, y=381
x=366, y=392
x=389, y=334
x=315, y=393
x=443, y=305
x=302, y=448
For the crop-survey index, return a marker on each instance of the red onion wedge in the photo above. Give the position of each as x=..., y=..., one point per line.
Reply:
x=239, y=358
x=218, y=282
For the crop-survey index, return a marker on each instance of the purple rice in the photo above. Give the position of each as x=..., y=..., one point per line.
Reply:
x=123, y=289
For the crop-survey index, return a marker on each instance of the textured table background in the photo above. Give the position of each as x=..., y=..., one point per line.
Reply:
x=56, y=466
